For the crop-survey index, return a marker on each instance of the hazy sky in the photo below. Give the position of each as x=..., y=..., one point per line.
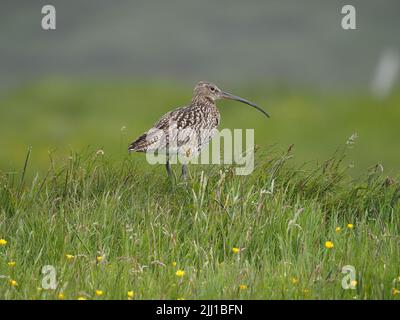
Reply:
x=286, y=41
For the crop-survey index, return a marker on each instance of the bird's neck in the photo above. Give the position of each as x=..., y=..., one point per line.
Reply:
x=203, y=100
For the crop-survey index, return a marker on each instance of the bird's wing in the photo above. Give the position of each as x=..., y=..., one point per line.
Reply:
x=161, y=133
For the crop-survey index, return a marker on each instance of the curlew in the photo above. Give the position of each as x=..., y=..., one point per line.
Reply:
x=186, y=130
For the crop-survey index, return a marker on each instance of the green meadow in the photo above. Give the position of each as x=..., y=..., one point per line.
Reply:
x=324, y=195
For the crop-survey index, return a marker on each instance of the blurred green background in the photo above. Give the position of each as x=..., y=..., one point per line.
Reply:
x=111, y=69
x=60, y=116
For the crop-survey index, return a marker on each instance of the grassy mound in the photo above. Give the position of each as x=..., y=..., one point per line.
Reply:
x=119, y=226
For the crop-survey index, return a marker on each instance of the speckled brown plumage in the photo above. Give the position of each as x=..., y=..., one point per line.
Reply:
x=186, y=130
x=201, y=115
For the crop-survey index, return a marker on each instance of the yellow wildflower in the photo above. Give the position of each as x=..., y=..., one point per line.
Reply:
x=235, y=250
x=131, y=295
x=99, y=258
x=350, y=226
x=353, y=283
x=174, y=263
x=69, y=256
x=395, y=291
x=338, y=229
x=11, y=263
x=3, y=242
x=61, y=296
x=99, y=293
x=180, y=299
x=180, y=273
x=13, y=283
x=242, y=287
x=82, y=298
x=329, y=244
x=295, y=280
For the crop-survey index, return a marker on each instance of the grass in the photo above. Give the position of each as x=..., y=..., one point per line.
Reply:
x=146, y=229
x=65, y=208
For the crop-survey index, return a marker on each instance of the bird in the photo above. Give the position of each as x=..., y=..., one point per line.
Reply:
x=186, y=130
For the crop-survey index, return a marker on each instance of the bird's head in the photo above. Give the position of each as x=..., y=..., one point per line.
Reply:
x=209, y=90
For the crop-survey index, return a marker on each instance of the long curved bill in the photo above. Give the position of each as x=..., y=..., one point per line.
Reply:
x=227, y=95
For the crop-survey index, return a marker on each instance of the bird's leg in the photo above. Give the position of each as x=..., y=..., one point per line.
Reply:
x=184, y=171
x=168, y=167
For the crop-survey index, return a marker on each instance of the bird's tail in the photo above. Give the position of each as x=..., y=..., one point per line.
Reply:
x=146, y=142
x=141, y=144
x=149, y=141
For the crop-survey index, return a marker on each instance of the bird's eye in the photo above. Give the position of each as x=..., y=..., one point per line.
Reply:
x=212, y=89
